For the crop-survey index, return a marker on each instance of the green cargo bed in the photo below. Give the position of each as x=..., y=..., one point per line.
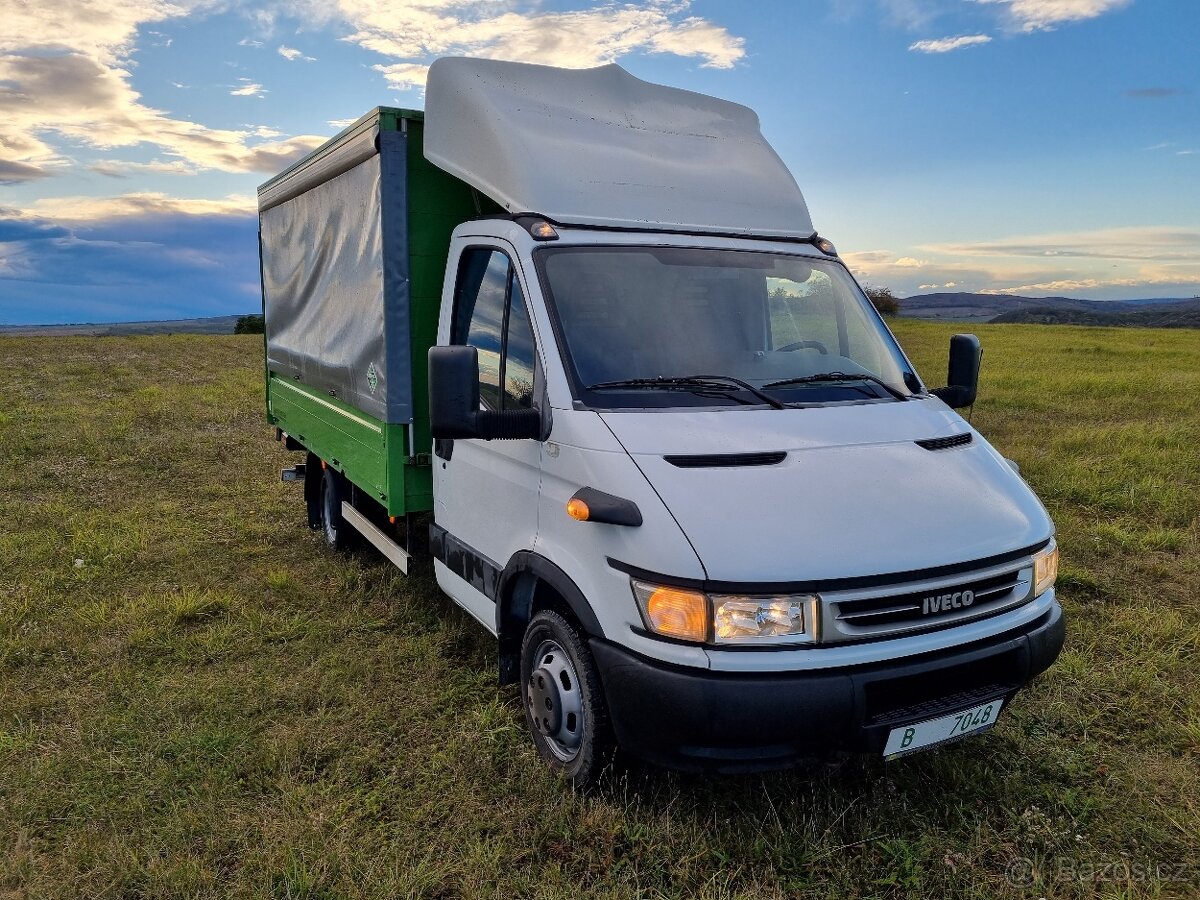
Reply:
x=353, y=242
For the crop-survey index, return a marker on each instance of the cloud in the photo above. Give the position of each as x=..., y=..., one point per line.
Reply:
x=863, y=258
x=75, y=210
x=946, y=44
x=82, y=100
x=65, y=72
x=291, y=54
x=13, y=230
x=412, y=33
x=1076, y=285
x=162, y=259
x=1044, y=15
x=1153, y=93
x=248, y=89
x=911, y=14
x=404, y=75
x=247, y=42
x=14, y=172
x=1143, y=244
x=1115, y=262
x=906, y=273
x=115, y=168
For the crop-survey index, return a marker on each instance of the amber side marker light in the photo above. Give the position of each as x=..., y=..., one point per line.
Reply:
x=578, y=510
x=543, y=231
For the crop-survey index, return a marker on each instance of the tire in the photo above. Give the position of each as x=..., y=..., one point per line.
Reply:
x=338, y=534
x=314, y=476
x=565, y=710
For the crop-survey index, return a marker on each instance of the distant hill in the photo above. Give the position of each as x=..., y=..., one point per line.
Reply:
x=1182, y=315
x=210, y=325
x=966, y=307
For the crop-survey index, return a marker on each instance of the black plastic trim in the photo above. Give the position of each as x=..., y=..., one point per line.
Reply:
x=660, y=229
x=528, y=562
x=945, y=443
x=464, y=561
x=828, y=584
x=726, y=460
x=747, y=721
x=607, y=509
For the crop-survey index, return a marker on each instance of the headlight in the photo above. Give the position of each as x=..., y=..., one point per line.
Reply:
x=1045, y=569
x=749, y=620
x=734, y=619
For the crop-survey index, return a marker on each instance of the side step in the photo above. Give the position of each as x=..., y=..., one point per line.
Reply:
x=384, y=544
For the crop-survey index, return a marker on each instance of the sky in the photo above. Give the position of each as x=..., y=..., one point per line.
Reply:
x=1032, y=147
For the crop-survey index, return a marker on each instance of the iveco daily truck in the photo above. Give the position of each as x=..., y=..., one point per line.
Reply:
x=574, y=335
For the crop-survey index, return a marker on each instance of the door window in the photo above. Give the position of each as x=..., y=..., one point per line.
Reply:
x=490, y=315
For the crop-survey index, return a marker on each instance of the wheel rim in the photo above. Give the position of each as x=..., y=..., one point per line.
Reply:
x=554, y=700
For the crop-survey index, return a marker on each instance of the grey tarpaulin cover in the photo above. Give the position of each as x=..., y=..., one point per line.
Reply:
x=602, y=147
x=335, y=279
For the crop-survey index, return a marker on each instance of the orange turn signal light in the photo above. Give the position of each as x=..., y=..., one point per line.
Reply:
x=543, y=231
x=678, y=613
x=578, y=509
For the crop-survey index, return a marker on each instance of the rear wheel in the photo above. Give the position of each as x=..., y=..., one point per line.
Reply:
x=564, y=702
x=338, y=534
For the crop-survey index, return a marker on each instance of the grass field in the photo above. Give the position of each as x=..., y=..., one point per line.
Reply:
x=198, y=699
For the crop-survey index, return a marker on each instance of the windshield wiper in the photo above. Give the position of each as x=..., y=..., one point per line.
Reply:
x=837, y=376
x=690, y=382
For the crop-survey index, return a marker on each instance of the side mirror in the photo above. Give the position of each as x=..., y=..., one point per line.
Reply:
x=963, y=375
x=454, y=401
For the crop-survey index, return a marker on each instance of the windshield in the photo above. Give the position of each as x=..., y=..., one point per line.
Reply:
x=636, y=321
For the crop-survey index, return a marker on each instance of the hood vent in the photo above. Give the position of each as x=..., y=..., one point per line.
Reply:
x=727, y=460
x=945, y=443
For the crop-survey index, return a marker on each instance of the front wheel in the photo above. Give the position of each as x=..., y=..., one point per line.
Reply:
x=564, y=700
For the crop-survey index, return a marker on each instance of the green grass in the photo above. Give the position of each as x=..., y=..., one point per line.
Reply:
x=197, y=699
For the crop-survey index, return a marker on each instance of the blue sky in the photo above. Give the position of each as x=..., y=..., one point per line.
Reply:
x=1037, y=147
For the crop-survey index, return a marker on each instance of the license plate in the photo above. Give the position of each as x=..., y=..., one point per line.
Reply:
x=909, y=738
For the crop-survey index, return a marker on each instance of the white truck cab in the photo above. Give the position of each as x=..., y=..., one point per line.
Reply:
x=743, y=528
x=681, y=468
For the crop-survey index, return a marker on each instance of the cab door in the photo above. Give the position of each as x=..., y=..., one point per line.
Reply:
x=486, y=492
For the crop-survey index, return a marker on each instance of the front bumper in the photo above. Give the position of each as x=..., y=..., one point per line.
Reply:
x=701, y=719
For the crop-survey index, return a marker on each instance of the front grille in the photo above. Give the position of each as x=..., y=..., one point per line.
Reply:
x=924, y=605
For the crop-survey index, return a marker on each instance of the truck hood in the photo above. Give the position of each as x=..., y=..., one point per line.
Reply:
x=855, y=494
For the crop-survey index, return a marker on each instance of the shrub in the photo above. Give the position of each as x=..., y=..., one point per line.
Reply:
x=883, y=300
x=249, y=325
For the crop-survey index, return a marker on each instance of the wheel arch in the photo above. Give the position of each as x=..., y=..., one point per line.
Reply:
x=530, y=582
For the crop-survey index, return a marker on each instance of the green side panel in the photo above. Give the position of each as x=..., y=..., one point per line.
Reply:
x=348, y=439
x=437, y=203
x=381, y=458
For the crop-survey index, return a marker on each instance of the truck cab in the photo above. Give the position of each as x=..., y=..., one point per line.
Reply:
x=744, y=529
x=668, y=453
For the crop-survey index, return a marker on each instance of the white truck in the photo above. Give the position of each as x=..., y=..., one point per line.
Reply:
x=676, y=462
